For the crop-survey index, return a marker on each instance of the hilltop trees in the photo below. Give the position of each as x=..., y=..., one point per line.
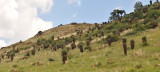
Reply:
x=138, y=6
x=117, y=14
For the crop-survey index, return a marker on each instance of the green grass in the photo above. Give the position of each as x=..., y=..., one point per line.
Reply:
x=112, y=59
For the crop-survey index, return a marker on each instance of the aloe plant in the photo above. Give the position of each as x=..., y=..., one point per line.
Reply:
x=64, y=55
x=132, y=44
x=124, y=40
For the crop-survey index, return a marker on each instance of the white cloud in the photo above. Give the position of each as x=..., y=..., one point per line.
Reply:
x=119, y=8
x=19, y=18
x=2, y=43
x=78, y=2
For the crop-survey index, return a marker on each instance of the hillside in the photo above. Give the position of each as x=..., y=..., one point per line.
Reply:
x=91, y=47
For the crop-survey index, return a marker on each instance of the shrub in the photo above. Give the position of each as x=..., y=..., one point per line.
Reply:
x=138, y=66
x=51, y=59
x=98, y=64
x=14, y=66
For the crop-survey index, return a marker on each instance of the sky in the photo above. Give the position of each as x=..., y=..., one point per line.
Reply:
x=22, y=19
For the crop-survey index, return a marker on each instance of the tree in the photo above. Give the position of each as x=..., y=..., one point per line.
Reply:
x=124, y=40
x=64, y=56
x=138, y=6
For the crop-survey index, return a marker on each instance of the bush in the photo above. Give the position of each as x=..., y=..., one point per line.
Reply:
x=14, y=66
x=98, y=64
x=51, y=59
x=138, y=66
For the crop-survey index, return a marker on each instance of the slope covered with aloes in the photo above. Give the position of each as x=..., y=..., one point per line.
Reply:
x=99, y=48
x=60, y=31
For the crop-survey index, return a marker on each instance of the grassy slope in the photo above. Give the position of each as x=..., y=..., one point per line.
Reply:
x=139, y=59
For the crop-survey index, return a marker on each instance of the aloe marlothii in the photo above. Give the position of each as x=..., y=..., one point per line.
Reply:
x=12, y=56
x=132, y=44
x=64, y=56
x=150, y=2
x=80, y=46
x=109, y=40
x=33, y=52
x=88, y=42
x=73, y=45
x=52, y=37
x=144, y=40
x=124, y=40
